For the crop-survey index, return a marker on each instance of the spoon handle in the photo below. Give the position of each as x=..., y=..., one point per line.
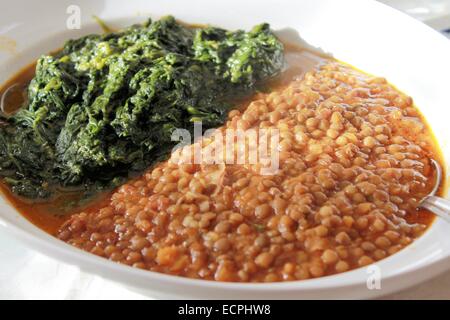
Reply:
x=437, y=205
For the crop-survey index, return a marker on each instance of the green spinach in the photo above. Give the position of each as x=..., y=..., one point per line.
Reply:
x=105, y=106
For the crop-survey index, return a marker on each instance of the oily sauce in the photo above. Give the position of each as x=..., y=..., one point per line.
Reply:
x=51, y=214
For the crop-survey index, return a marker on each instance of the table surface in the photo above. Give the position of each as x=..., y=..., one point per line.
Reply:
x=26, y=274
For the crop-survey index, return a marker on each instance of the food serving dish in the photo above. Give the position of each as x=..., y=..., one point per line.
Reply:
x=363, y=33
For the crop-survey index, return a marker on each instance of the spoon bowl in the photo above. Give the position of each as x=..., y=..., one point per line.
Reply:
x=437, y=205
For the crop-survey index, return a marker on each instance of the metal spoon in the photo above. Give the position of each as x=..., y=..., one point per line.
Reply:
x=439, y=206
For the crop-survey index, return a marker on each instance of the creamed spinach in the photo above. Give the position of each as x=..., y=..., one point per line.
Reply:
x=105, y=106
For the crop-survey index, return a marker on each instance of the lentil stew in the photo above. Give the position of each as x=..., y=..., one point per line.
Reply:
x=353, y=164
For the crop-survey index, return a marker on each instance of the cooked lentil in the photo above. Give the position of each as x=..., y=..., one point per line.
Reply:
x=354, y=161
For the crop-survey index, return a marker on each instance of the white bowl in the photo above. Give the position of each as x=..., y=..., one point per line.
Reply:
x=366, y=34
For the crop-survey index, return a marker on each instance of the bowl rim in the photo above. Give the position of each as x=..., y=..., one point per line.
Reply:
x=52, y=246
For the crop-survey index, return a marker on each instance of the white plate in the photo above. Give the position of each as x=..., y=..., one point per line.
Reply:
x=366, y=34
